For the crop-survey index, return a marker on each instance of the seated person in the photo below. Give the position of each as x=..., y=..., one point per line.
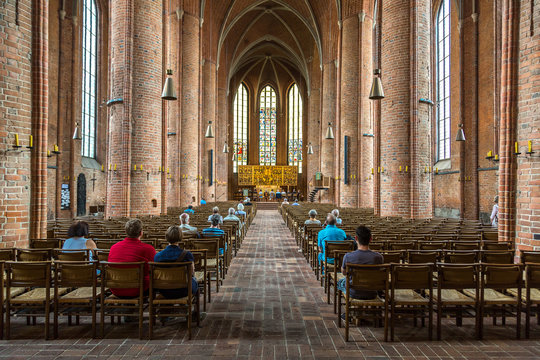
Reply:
x=278, y=195
x=295, y=203
x=330, y=233
x=203, y=202
x=336, y=214
x=312, y=218
x=362, y=256
x=215, y=211
x=240, y=211
x=77, y=238
x=189, y=209
x=247, y=202
x=214, y=230
x=185, y=227
x=173, y=253
x=233, y=217
x=132, y=249
x=285, y=202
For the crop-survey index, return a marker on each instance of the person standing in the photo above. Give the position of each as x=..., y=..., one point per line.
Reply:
x=495, y=212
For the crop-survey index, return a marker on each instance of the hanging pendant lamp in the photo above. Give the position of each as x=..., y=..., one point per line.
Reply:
x=169, y=92
x=225, y=148
x=376, y=92
x=460, y=134
x=209, y=131
x=310, y=149
x=77, y=133
x=329, y=132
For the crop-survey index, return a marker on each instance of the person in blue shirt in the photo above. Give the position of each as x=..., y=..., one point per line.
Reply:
x=77, y=238
x=214, y=230
x=336, y=214
x=295, y=203
x=330, y=233
x=240, y=211
x=173, y=253
x=203, y=202
x=189, y=210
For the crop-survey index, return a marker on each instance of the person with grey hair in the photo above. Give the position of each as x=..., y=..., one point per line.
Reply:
x=215, y=211
x=185, y=227
x=240, y=210
x=233, y=217
x=495, y=212
x=335, y=212
x=312, y=218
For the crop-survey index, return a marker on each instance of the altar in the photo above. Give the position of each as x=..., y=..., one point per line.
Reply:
x=268, y=176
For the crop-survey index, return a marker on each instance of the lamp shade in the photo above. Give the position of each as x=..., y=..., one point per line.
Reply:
x=225, y=148
x=169, y=92
x=310, y=149
x=209, y=131
x=329, y=132
x=376, y=92
x=460, y=134
x=77, y=133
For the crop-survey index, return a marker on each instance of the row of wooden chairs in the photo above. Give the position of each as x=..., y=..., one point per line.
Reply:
x=477, y=290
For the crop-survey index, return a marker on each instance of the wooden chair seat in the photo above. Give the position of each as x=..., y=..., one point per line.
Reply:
x=371, y=302
x=409, y=297
x=492, y=296
x=36, y=296
x=199, y=276
x=161, y=300
x=535, y=294
x=79, y=295
x=211, y=262
x=16, y=291
x=113, y=299
x=454, y=297
x=339, y=276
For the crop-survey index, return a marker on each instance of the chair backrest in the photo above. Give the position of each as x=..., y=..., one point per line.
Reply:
x=170, y=275
x=402, y=245
x=377, y=246
x=75, y=273
x=432, y=245
x=502, y=246
x=71, y=255
x=502, y=276
x=45, y=243
x=28, y=274
x=332, y=246
x=457, y=276
x=7, y=254
x=33, y=254
x=466, y=245
x=199, y=259
x=122, y=275
x=105, y=244
x=210, y=245
x=101, y=255
x=461, y=257
x=533, y=275
x=390, y=257
x=412, y=276
x=368, y=277
x=530, y=257
x=423, y=257
x=498, y=257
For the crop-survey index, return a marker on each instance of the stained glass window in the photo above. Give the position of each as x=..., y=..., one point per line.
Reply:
x=442, y=29
x=240, y=135
x=89, y=78
x=294, y=113
x=267, y=127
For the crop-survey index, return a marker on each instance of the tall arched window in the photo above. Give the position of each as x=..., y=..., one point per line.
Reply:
x=442, y=51
x=240, y=132
x=267, y=127
x=89, y=78
x=294, y=113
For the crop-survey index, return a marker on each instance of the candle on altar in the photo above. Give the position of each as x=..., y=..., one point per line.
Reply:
x=17, y=140
x=529, y=146
x=516, y=147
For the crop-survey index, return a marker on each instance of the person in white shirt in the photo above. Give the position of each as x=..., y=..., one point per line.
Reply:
x=215, y=211
x=495, y=212
x=285, y=202
x=184, y=225
x=335, y=212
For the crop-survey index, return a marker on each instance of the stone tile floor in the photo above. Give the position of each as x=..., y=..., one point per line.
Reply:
x=271, y=306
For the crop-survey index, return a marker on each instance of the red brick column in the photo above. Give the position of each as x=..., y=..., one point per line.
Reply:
x=40, y=99
x=313, y=131
x=190, y=124
x=209, y=114
x=395, y=108
x=136, y=127
x=328, y=115
x=509, y=87
x=15, y=117
x=222, y=127
x=348, y=193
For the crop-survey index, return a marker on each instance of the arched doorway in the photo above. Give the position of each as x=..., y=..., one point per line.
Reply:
x=81, y=195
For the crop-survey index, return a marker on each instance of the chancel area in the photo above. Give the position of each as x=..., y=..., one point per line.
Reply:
x=277, y=179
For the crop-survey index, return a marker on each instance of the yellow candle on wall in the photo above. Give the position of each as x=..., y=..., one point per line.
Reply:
x=436, y=170
x=382, y=169
x=516, y=146
x=141, y=168
x=17, y=140
x=102, y=167
x=55, y=148
x=399, y=168
x=378, y=169
x=135, y=167
x=114, y=167
x=372, y=170
x=496, y=157
x=110, y=165
x=529, y=146
x=406, y=168
x=31, y=138
x=425, y=169
x=168, y=170
x=490, y=154
x=49, y=153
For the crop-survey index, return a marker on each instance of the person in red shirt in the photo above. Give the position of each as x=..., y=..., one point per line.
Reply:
x=131, y=249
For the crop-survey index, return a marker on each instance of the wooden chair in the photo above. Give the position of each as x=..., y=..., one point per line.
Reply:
x=402, y=245
x=391, y=257
x=202, y=275
x=494, y=279
x=101, y=255
x=466, y=245
x=34, y=303
x=423, y=257
x=500, y=246
x=336, y=275
x=332, y=246
x=366, y=278
x=45, y=243
x=432, y=245
x=213, y=261
x=408, y=284
x=530, y=257
x=33, y=254
x=7, y=254
x=460, y=257
x=452, y=279
x=71, y=255
x=171, y=276
x=498, y=257
x=128, y=275
x=532, y=294
x=81, y=278
x=105, y=244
